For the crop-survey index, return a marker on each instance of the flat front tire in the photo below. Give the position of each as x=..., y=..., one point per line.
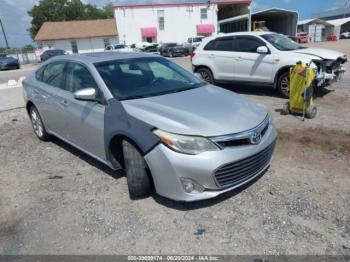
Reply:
x=283, y=85
x=206, y=75
x=139, y=182
x=37, y=124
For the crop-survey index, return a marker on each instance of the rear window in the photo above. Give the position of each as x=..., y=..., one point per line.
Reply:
x=220, y=44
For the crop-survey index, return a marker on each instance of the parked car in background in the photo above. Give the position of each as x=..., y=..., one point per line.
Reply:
x=118, y=48
x=8, y=62
x=173, y=49
x=51, y=53
x=142, y=45
x=302, y=38
x=193, y=42
x=168, y=129
x=345, y=35
x=262, y=58
x=152, y=49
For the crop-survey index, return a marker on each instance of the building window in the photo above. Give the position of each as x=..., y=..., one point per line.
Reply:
x=106, y=42
x=204, y=13
x=74, y=47
x=160, y=19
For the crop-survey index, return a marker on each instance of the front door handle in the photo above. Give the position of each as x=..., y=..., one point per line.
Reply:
x=211, y=56
x=64, y=103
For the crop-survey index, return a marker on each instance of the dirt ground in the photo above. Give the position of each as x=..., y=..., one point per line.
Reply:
x=56, y=200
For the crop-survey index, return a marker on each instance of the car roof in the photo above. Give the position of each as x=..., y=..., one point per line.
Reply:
x=102, y=57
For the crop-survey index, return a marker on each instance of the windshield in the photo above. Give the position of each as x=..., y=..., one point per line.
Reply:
x=172, y=45
x=281, y=42
x=145, y=77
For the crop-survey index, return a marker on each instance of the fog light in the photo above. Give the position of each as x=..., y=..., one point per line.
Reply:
x=191, y=186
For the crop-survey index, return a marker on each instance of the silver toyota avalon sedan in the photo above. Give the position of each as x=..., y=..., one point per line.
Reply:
x=168, y=129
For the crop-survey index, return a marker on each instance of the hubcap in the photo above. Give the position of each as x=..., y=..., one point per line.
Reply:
x=285, y=85
x=37, y=125
x=205, y=76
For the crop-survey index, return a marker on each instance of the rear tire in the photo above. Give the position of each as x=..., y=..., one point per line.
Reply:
x=37, y=124
x=139, y=182
x=206, y=75
x=283, y=85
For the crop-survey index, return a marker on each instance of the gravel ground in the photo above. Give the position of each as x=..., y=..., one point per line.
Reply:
x=56, y=200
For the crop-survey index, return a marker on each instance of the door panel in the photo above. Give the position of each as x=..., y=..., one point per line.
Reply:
x=51, y=90
x=221, y=58
x=85, y=119
x=252, y=66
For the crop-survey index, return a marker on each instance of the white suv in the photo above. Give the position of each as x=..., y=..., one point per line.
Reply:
x=262, y=58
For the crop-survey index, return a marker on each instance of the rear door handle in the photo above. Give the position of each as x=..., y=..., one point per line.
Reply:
x=64, y=103
x=211, y=56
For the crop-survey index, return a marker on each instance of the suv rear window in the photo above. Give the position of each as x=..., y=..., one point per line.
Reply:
x=220, y=44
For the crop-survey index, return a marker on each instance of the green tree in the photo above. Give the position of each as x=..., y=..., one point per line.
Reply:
x=65, y=10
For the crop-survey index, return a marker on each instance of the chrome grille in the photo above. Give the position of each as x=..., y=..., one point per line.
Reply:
x=237, y=172
x=243, y=138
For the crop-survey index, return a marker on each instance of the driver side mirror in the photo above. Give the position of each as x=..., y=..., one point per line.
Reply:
x=86, y=94
x=262, y=50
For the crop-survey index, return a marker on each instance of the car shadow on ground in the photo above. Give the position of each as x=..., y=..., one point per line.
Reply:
x=116, y=174
x=257, y=90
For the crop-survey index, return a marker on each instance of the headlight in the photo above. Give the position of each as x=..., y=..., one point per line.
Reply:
x=192, y=145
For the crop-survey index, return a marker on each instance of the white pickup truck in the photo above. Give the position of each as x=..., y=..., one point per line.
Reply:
x=262, y=58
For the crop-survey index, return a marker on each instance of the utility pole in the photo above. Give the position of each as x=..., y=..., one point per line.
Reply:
x=347, y=4
x=3, y=32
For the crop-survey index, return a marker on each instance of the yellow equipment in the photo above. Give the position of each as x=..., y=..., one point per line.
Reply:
x=301, y=97
x=260, y=26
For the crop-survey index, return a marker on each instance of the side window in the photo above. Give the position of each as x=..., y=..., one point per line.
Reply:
x=78, y=77
x=54, y=74
x=247, y=44
x=39, y=73
x=220, y=44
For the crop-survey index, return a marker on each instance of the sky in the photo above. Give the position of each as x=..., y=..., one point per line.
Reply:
x=13, y=13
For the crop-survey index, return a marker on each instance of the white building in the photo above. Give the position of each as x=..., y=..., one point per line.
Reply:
x=317, y=29
x=174, y=22
x=340, y=25
x=78, y=36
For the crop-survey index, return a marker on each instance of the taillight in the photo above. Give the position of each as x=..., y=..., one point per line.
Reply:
x=192, y=54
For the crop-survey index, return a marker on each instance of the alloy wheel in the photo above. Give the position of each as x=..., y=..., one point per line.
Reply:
x=37, y=124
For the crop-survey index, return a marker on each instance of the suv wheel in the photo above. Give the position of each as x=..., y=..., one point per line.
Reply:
x=38, y=125
x=139, y=182
x=283, y=85
x=206, y=75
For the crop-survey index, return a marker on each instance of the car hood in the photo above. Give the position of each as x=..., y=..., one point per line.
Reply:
x=204, y=111
x=321, y=53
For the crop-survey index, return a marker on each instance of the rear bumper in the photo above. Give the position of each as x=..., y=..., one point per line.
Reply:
x=168, y=166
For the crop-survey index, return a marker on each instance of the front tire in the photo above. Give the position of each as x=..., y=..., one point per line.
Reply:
x=283, y=85
x=139, y=182
x=206, y=75
x=37, y=124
